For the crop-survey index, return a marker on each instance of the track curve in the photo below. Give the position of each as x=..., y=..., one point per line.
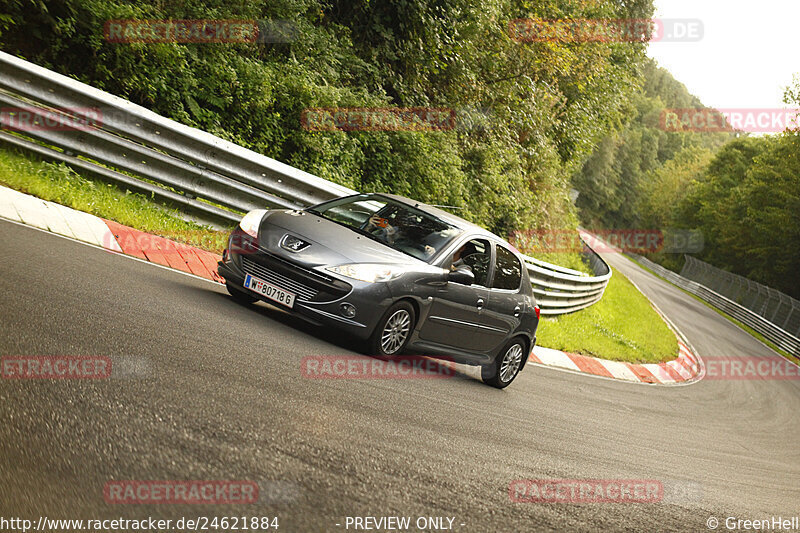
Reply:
x=223, y=398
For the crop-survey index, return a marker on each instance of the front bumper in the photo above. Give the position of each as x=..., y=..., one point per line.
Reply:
x=317, y=298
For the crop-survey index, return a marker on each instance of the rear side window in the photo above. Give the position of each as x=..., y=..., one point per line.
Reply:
x=507, y=270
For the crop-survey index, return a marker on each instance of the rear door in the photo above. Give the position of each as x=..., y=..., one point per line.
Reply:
x=506, y=301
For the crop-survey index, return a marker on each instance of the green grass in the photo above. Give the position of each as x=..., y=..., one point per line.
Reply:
x=622, y=326
x=59, y=183
x=572, y=260
x=743, y=326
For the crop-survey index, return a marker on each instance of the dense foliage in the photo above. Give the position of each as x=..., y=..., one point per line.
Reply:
x=747, y=203
x=527, y=114
x=744, y=196
x=533, y=120
x=634, y=174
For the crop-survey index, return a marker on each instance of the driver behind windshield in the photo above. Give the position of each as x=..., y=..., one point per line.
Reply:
x=402, y=230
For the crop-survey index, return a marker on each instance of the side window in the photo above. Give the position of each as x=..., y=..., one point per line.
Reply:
x=507, y=270
x=475, y=254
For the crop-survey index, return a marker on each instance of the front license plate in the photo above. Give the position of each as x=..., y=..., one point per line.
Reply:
x=269, y=290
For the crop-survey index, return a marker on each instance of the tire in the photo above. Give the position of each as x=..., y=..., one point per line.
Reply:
x=506, y=365
x=239, y=295
x=393, y=331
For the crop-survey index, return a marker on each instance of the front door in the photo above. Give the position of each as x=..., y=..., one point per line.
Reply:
x=456, y=317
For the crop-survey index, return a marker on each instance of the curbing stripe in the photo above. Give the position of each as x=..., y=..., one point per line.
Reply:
x=689, y=355
x=590, y=365
x=619, y=370
x=679, y=368
x=56, y=221
x=674, y=375
x=174, y=257
x=210, y=261
x=78, y=225
x=644, y=375
x=126, y=239
x=549, y=357
x=31, y=210
x=7, y=209
x=149, y=244
x=107, y=234
x=102, y=234
x=677, y=371
x=687, y=364
x=659, y=373
x=192, y=261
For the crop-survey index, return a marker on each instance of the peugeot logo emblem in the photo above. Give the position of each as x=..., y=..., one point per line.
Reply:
x=293, y=244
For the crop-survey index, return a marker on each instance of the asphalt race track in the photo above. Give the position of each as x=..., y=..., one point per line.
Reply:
x=219, y=396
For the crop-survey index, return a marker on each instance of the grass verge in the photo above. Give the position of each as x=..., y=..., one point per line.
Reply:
x=59, y=183
x=572, y=260
x=743, y=326
x=622, y=326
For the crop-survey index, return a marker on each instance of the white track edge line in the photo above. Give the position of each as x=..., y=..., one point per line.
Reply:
x=111, y=251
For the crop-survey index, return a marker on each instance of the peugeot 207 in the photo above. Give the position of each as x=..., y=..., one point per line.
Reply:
x=396, y=273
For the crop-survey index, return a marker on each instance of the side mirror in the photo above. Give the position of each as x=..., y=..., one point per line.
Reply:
x=464, y=276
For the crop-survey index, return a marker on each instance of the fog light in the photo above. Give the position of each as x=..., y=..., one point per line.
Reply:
x=348, y=310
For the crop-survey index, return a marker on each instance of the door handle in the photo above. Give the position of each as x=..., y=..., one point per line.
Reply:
x=517, y=311
x=480, y=304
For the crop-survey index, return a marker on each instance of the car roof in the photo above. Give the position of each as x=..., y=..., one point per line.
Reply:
x=450, y=218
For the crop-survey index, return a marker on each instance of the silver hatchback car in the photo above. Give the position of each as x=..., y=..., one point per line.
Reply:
x=400, y=275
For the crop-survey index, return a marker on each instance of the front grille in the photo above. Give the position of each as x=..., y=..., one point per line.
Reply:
x=303, y=291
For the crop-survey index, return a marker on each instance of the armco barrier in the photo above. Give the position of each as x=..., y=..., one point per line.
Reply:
x=775, y=306
x=781, y=338
x=561, y=290
x=209, y=178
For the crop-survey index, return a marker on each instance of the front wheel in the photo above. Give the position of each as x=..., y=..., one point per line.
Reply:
x=506, y=365
x=393, y=330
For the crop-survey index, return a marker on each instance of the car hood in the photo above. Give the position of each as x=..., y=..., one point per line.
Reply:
x=330, y=243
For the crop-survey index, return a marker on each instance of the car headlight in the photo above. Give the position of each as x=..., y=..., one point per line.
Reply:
x=251, y=221
x=371, y=273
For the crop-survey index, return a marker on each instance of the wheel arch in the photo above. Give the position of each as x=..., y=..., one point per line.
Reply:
x=528, y=347
x=414, y=304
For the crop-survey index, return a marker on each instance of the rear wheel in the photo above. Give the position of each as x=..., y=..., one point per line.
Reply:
x=506, y=365
x=393, y=330
x=239, y=295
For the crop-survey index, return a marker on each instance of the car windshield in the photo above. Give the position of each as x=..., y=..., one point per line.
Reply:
x=392, y=223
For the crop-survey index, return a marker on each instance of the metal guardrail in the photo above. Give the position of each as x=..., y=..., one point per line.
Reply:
x=141, y=143
x=775, y=306
x=560, y=290
x=209, y=178
x=781, y=338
